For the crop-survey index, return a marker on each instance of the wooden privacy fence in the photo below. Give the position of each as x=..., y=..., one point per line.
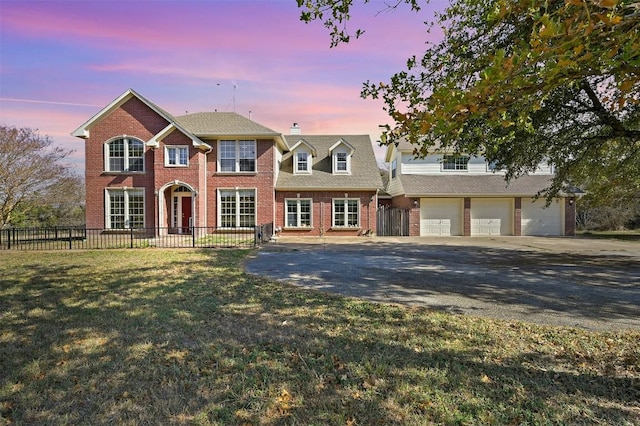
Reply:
x=392, y=222
x=73, y=237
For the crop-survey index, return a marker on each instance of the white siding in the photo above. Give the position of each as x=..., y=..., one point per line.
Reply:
x=420, y=166
x=538, y=220
x=431, y=164
x=395, y=187
x=491, y=216
x=441, y=216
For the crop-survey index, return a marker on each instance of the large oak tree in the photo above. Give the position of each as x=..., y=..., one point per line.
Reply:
x=520, y=82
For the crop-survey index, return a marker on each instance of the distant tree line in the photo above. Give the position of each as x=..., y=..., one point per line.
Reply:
x=37, y=188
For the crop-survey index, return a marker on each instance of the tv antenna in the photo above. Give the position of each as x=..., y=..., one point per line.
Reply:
x=235, y=86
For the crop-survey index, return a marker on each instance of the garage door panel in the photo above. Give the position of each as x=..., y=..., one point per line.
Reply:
x=491, y=216
x=540, y=221
x=441, y=216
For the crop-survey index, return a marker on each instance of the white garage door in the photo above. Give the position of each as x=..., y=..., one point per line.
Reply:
x=538, y=220
x=441, y=216
x=491, y=216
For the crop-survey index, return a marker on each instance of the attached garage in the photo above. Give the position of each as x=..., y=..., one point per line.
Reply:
x=441, y=216
x=492, y=216
x=541, y=221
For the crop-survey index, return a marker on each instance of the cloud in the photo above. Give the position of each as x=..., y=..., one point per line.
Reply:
x=64, y=60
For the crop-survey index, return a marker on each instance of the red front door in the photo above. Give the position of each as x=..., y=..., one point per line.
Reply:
x=186, y=215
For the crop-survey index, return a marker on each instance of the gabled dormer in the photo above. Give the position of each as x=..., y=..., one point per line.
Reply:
x=303, y=154
x=340, y=154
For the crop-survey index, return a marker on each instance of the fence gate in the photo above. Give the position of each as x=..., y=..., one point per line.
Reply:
x=392, y=222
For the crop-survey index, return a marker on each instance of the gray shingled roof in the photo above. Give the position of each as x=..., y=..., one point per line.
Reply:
x=223, y=124
x=364, y=168
x=472, y=185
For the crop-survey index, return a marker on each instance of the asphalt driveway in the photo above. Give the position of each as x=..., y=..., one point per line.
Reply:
x=588, y=283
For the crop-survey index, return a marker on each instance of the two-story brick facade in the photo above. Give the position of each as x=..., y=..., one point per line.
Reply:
x=148, y=169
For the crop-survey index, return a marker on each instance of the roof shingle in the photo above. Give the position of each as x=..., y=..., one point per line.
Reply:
x=473, y=185
x=364, y=168
x=223, y=124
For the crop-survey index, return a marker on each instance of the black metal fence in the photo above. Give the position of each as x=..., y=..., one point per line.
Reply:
x=392, y=222
x=73, y=237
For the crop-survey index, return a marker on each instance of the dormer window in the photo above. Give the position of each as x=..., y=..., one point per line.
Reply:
x=302, y=162
x=341, y=162
x=302, y=153
x=341, y=153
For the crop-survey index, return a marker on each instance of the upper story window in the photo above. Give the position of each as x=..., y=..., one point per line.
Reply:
x=341, y=153
x=455, y=162
x=341, y=162
x=302, y=162
x=394, y=168
x=124, y=155
x=237, y=156
x=176, y=156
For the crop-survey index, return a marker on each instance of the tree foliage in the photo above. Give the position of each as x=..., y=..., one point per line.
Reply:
x=521, y=82
x=35, y=186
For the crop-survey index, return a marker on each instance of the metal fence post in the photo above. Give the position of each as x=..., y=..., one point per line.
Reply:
x=70, y=238
x=131, y=237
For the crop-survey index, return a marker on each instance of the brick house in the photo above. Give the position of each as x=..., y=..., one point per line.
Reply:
x=218, y=170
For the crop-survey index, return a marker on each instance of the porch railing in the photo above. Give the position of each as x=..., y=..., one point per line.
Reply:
x=74, y=237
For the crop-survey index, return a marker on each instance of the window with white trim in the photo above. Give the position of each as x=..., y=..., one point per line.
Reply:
x=124, y=155
x=237, y=208
x=236, y=156
x=455, y=162
x=176, y=156
x=346, y=213
x=302, y=162
x=341, y=162
x=124, y=208
x=298, y=213
x=394, y=168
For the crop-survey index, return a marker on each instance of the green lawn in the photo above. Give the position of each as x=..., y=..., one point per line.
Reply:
x=157, y=336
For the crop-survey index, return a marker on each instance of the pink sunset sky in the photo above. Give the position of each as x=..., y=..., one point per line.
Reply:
x=61, y=61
